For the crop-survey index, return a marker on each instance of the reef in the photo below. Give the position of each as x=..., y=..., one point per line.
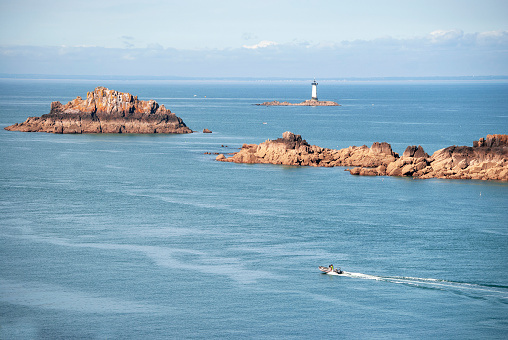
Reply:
x=487, y=159
x=105, y=111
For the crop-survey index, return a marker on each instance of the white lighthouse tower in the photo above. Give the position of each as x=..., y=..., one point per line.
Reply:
x=314, y=90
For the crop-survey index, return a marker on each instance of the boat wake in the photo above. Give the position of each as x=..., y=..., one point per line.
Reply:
x=476, y=289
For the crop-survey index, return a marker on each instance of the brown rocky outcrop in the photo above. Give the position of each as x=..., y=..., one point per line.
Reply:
x=486, y=160
x=305, y=103
x=291, y=149
x=105, y=111
x=413, y=159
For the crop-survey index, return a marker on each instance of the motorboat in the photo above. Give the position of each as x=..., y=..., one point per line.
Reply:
x=330, y=270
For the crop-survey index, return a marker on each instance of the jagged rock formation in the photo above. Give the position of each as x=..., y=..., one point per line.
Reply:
x=105, y=111
x=486, y=160
x=305, y=103
x=292, y=150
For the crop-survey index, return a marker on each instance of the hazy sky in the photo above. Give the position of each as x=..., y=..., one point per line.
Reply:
x=279, y=38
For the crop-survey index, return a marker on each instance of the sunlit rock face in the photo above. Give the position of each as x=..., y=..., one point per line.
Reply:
x=105, y=111
x=291, y=149
x=486, y=160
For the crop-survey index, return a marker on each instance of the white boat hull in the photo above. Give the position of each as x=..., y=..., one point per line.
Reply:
x=329, y=271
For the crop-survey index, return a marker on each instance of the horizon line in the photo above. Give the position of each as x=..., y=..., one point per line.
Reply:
x=33, y=76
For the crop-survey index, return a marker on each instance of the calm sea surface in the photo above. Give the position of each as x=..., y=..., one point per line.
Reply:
x=147, y=237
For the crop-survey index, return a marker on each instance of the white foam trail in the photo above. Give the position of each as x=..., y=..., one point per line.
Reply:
x=362, y=276
x=434, y=283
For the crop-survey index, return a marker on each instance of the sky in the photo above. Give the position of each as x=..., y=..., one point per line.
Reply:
x=276, y=38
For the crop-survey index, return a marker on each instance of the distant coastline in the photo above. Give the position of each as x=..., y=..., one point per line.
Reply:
x=250, y=79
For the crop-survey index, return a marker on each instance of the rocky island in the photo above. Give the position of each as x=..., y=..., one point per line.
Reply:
x=486, y=160
x=304, y=103
x=105, y=111
x=312, y=102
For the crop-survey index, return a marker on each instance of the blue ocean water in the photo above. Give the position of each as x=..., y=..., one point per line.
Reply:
x=146, y=236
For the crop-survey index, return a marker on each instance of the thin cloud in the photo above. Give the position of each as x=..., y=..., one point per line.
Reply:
x=249, y=36
x=261, y=44
x=127, y=41
x=445, y=37
x=492, y=38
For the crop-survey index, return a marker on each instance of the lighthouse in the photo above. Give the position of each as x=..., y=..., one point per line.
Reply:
x=314, y=90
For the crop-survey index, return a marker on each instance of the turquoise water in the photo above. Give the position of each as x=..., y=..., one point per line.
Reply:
x=141, y=236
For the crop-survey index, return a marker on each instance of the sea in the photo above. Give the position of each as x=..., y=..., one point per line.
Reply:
x=122, y=236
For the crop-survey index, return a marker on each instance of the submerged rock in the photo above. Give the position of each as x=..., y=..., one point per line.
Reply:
x=105, y=111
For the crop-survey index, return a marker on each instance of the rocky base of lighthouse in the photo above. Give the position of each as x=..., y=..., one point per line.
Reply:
x=305, y=103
